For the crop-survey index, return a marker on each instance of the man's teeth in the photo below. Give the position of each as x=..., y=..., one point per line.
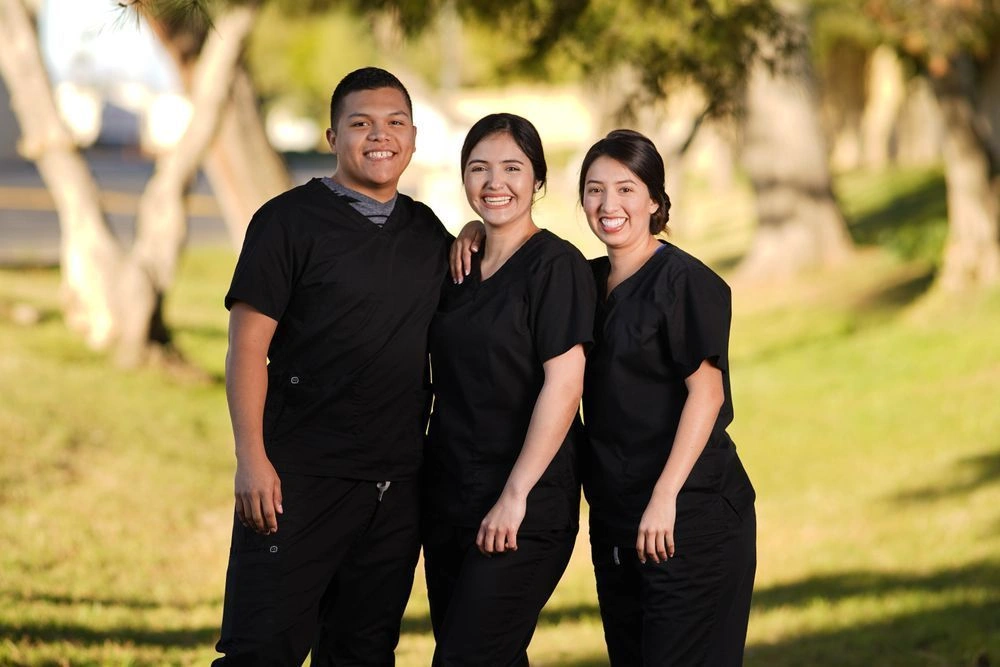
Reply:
x=612, y=223
x=379, y=155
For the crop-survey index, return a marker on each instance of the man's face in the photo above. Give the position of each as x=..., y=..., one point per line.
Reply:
x=373, y=141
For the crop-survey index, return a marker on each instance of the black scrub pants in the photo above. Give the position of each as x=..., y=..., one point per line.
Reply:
x=692, y=609
x=334, y=578
x=484, y=609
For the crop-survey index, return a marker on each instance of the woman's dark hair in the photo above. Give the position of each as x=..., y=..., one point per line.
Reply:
x=639, y=155
x=520, y=130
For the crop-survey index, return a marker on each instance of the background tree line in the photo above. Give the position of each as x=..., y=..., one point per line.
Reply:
x=780, y=74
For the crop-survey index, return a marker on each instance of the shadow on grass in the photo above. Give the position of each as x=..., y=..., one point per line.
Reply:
x=965, y=633
x=75, y=633
x=898, y=294
x=984, y=576
x=972, y=473
x=554, y=616
x=958, y=634
x=16, y=597
x=913, y=223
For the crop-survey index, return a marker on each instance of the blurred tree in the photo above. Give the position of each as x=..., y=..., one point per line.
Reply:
x=89, y=254
x=745, y=56
x=242, y=167
x=799, y=223
x=115, y=297
x=957, y=42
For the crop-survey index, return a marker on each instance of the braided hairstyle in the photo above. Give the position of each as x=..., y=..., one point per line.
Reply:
x=639, y=155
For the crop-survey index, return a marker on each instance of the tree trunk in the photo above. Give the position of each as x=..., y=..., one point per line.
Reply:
x=242, y=166
x=800, y=225
x=920, y=128
x=89, y=253
x=886, y=92
x=161, y=223
x=972, y=252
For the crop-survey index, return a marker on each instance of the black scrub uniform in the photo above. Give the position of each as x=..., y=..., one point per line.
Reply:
x=344, y=422
x=652, y=332
x=488, y=342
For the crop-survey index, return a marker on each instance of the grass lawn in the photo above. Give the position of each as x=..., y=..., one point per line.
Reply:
x=867, y=420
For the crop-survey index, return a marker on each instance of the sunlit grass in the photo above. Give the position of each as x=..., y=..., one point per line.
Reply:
x=868, y=423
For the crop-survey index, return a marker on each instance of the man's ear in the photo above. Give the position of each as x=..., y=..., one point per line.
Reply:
x=331, y=140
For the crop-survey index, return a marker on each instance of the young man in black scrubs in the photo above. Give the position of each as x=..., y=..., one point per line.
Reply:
x=329, y=308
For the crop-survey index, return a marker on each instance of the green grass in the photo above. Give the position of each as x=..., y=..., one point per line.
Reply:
x=867, y=418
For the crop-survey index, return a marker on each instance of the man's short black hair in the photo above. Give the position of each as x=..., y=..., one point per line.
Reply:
x=366, y=78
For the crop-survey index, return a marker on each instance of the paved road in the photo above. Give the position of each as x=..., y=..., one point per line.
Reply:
x=29, y=227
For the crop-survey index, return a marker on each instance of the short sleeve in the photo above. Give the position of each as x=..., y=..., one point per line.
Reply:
x=698, y=318
x=264, y=273
x=562, y=299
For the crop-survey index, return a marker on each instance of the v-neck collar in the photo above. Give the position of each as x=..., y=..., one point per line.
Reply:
x=477, y=260
x=626, y=285
x=390, y=223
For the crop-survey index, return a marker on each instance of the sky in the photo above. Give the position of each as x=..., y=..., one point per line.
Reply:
x=89, y=41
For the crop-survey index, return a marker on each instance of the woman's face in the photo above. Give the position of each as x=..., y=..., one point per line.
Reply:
x=499, y=181
x=617, y=204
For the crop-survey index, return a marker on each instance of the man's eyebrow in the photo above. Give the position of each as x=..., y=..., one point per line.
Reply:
x=365, y=114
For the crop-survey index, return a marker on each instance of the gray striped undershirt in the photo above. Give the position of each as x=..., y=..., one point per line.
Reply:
x=372, y=209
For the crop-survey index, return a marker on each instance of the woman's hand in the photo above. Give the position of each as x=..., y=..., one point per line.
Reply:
x=469, y=241
x=656, y=530
x=498, y=530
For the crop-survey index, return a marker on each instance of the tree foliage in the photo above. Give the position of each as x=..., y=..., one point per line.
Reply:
x=935, y=31
x=711, y=43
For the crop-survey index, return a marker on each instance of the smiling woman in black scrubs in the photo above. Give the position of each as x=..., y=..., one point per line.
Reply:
x=502, y=493
x=672, y=522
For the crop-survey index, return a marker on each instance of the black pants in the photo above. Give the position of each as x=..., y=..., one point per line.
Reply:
x=690, y=610
x=484, y=609
x=334, y=578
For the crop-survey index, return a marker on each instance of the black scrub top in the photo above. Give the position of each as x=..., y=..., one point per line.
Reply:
x=347, y=394
x=650, y=333
x=488, y=342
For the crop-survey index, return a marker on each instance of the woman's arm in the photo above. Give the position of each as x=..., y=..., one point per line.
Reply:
x=701, y=409
x=555, y=408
